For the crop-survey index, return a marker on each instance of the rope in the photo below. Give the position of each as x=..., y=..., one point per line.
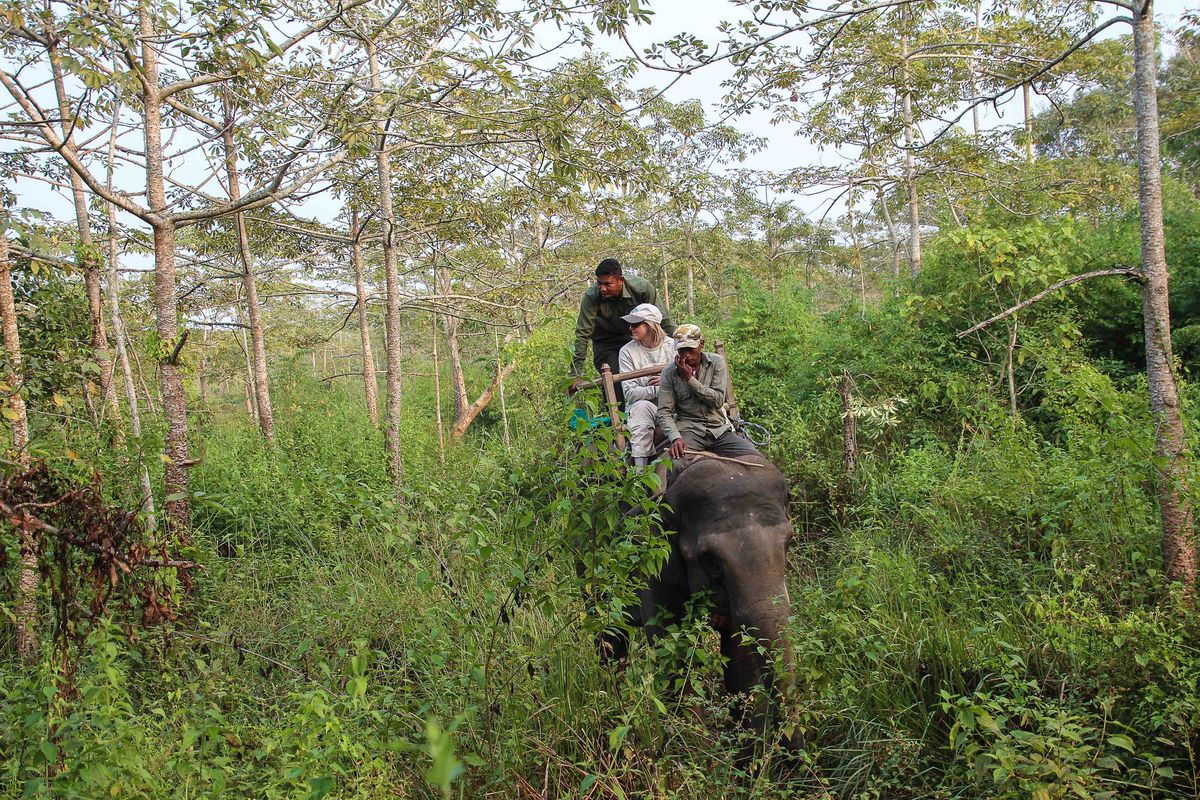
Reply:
x=727, y=459
x=743, y=427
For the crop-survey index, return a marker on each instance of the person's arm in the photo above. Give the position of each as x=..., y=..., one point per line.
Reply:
x=713, y=395
x=636, y=389
x=666, y=404
x=585, y=325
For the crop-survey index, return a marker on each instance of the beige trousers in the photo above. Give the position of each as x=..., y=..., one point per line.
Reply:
x=640, y=417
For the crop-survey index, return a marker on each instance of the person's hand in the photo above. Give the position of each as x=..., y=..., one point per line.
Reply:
x=677, y=448
x=575, y=386
x=684, y=370
x=654, y=381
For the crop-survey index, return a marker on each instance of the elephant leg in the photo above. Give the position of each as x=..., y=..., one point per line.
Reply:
x=663, y=606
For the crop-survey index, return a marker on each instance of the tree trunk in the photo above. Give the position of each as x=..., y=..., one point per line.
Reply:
x=120, y=337
x=662, y=268
x=1027, y=103
x=1170, y=450
x=691, y=273
x=458, y=382
x=893, y=238
x=769, y=229
x=244, y=344
x=849, y=424
x=262, y=387
x=472, y=411
x=503, y=399
x=856, y=261
x=910, y=140
x=437, y=395
x=370, y=384
x=165, y=304
x=975, y=122
x=392, y=291
x=1010, y=369
x=118, y=329
x=87, y=257
x=27, y=586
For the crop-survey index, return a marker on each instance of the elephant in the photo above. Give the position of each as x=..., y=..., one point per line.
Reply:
x=730, y=534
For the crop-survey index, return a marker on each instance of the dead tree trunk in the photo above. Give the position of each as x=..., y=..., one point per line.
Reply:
x=131, y=399
x=27, y=587
x=1170, y=448
x=262, y=388
x=849, y=424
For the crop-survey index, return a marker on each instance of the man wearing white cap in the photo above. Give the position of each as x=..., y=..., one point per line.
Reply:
x=691, y=400
x=649, y=346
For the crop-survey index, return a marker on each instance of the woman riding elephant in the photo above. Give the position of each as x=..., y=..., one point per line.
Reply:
x=649, y=347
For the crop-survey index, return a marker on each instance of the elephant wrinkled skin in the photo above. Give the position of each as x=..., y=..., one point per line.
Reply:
x=731, y=534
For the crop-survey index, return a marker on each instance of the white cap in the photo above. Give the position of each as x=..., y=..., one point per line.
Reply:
x=646, y=312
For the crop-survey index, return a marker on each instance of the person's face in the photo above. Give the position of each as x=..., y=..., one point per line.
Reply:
x=691, y=357
x=640, y=332
x=610, y=286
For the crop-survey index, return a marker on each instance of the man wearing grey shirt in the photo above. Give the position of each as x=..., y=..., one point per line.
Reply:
x=691, y=400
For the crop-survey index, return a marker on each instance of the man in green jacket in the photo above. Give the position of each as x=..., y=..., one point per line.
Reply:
x=612, y=296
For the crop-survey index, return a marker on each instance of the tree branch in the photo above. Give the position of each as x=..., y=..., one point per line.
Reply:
x=1130, y=272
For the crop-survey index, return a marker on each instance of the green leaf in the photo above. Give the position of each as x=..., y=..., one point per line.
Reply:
x=1121, y=741
x=319, y=787
x=445, y=767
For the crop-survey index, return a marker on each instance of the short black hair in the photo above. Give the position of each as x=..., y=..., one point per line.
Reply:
x=609, y=266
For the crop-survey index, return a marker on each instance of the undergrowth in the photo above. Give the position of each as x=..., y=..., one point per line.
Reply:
x=978, y=609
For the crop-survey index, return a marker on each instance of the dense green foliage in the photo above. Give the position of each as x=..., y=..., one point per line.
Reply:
x=978, y=611
x=978, y=606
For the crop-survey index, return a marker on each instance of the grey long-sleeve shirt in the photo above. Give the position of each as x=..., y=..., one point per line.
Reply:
x=633, y=357
x=696, y=404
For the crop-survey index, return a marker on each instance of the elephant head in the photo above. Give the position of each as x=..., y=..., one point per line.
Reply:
x=731, y=534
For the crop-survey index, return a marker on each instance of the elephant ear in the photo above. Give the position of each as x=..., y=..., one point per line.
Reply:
x=669, y=519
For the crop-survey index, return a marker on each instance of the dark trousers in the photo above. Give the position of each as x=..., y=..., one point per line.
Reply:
x=727, y=444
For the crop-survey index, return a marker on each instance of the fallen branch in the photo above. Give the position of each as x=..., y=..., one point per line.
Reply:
x=1130, y=272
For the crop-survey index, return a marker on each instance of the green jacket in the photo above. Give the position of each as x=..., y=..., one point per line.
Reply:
x=600, y=320
x=697, y=404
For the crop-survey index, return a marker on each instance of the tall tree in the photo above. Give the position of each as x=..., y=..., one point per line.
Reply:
x=27, y=638
x=1174, y=478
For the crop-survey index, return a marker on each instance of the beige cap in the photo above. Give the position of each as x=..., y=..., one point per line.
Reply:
x=688, y=336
